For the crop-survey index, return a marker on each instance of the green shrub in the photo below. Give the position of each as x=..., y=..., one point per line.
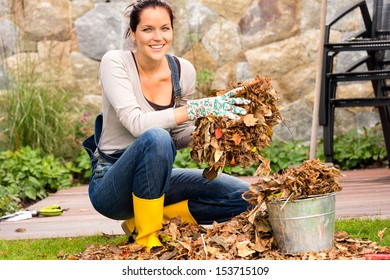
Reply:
x=183, y=160
x=281, y=156
x=38, y=116
x=9, y=203
x=204, y=79
x=80, y=168
x=240, y=171
x=26, y=176
x=284, y=154
x=353, y=150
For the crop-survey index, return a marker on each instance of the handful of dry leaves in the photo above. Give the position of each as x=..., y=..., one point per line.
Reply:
x=221, y=142
x=312, y=177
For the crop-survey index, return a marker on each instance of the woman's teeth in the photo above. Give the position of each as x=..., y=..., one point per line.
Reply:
x=157, y=47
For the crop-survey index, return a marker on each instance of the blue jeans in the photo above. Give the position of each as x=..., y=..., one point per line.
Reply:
x=146, y=169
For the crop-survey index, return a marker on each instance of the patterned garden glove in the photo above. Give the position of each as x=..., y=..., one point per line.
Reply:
x=220, y=106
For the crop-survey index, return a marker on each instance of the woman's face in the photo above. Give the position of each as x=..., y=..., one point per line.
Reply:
x=154, y=34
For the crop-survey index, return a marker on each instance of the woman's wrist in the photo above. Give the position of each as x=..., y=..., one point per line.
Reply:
x=181, y=114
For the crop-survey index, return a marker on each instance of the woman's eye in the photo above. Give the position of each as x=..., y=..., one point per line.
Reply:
x=147, y=29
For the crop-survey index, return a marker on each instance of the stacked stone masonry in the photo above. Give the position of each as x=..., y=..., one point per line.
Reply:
x=234, y=40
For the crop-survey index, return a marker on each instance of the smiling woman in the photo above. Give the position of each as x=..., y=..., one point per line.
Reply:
x=152, y=38
x=147, y=109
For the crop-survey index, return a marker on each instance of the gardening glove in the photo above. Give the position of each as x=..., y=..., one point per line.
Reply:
x=220, y=106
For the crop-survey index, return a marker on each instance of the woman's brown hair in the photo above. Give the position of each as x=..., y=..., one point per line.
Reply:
x=135, y=9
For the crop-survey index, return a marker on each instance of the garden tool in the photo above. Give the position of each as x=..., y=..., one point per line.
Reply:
x=52, y=210
x=17, y=216
x=47, y=211
x=148, y=217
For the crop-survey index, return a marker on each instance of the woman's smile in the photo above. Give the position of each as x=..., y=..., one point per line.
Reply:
x=157, y=47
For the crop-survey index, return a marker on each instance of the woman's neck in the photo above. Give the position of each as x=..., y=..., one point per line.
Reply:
x=147, y=66
x=155, y=79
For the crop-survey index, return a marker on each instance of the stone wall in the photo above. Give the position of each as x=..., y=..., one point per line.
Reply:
x=230, y=41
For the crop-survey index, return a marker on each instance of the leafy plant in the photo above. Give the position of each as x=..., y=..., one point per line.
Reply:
x=183, y=160
x=81, y=168
x=204, y=80
x=9, y=202
x=284, y=154
x=353, y=150
x=38, y=116
x=26, y=176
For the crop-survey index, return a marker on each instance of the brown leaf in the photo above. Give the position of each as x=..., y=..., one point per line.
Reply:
x=212, y=250
x=185, y=245
x=243, y=249
x=218, y=240
x=237, y=139
x=381, y=233
x=168, y=255
x=217, y=155
x=250, y=120
x=20, y=230
x=260, y=248
x=262, y=224
x=173, y=230
x=210, y=173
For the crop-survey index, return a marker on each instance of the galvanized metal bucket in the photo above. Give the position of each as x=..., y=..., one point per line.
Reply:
x=304, y=225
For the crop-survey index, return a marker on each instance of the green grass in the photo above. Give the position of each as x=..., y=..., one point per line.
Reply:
x=365, y=228
x=58, y=248
x=51, y=248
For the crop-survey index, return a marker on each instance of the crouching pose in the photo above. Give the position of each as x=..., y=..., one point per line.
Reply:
x=147, y=114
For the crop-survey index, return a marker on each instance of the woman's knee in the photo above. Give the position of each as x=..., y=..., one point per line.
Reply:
x=158, y=141
x=156, y=137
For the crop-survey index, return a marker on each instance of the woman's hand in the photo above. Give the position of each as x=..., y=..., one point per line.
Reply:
x=220, y=106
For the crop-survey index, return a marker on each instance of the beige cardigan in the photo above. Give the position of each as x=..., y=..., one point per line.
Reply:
x=126, y=112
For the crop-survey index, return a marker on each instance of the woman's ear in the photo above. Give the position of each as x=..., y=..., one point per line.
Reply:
x=132, y=36
x=133, y=43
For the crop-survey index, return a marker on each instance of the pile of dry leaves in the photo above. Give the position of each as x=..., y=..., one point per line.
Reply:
x=232, y=240
x=249, y=235
x=312, y=177
x=220, y=142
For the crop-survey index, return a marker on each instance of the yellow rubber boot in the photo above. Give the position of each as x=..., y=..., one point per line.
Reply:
x=128, y=226
x=179, y=209
x=148, y=216
x=170, y=211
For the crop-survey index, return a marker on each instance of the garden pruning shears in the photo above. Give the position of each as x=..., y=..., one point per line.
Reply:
x=48, y=211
